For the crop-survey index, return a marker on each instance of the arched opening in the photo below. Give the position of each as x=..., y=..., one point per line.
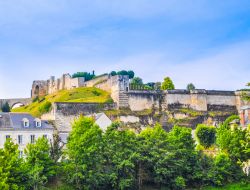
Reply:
x=17, y=105
x=36, y=92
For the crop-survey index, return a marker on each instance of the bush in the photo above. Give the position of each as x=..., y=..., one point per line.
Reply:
x=45, y=107
x=205, y=135
x=230, y=119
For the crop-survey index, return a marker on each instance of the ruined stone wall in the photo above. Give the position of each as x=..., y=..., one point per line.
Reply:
x=97, y=80
x=104, y=85
x=66, y=82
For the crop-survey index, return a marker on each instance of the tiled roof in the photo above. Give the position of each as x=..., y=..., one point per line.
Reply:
x=15, y=121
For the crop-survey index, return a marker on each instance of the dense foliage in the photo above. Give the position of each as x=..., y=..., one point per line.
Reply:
x=33, y=171
x=136, y=81
x=130, y=73
x=205, y=135
x=190, y=86
x=5, y=107
x=87, y=76
x=167, y=84
x=121, y=159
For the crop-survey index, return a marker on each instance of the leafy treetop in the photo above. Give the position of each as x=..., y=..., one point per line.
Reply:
x=167, y=84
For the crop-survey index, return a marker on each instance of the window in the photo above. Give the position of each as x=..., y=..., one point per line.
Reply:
x=26, y=122
x=7, y=137
x=20, y=154
x=20, y=139
x=38, y=122
x=45, y=136
x=32, y=139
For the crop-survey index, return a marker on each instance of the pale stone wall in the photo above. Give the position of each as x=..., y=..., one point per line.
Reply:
x=197, y=99
x=139, y=101
x=129, y=119
x=221, y=100
x=184, y=99
x=198, y=102
x=93, y=82
x=105, y=85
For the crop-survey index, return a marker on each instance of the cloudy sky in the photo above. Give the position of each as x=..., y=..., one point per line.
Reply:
x=206, y=42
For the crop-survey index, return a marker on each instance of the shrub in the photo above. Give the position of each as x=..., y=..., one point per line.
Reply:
x=45, y=107
x=205, y=135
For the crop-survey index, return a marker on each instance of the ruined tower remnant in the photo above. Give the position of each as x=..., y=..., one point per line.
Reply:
x=39, y=88
x=53, y=85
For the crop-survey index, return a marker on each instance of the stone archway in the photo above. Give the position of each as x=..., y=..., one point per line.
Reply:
x=17, y=105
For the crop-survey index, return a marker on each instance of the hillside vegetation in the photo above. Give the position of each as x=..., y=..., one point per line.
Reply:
x=84, y=94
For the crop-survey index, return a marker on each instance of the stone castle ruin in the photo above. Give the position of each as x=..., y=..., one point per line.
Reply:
x=45, y=87
x=138, y=100
x=159, y=106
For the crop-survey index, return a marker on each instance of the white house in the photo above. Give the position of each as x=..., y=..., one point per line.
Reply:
x=23, y=129
x=102, y=120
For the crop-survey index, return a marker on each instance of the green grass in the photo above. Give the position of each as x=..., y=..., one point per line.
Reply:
x=191, y=112
x=238, y=186
x=127, y=111
x=83, y=94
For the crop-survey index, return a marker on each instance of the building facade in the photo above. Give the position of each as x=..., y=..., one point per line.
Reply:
x=23, y=129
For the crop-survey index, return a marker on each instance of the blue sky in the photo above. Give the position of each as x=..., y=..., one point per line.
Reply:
x=206, y=42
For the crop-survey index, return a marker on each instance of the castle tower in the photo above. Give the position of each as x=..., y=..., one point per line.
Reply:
x=39, y=88
x=119, y=87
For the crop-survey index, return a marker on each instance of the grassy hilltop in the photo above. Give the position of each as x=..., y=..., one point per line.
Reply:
x=83, y=94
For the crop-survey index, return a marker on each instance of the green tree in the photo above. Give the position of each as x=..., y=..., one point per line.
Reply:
x=231, y=140
x=190, y=86
x=205, y=135
x=113, y=73
x=183, y=157
x=83, y=165
x=6, y=107
x=167, y=84
x=137, y=81
x=224, y=170
x=12, y=173
x=153, y=148
x=120, y=153
x=131, y=74
x=40, y=164
x=122, y=72
x=86, y=75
